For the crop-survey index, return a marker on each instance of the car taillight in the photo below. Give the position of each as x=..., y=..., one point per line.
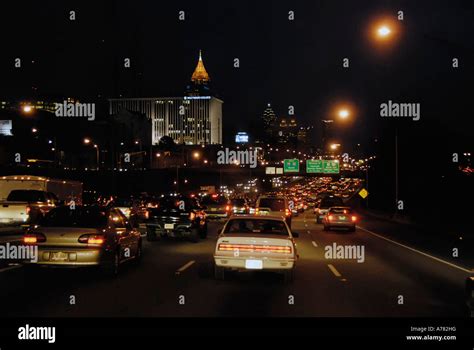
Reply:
x=227, y=208
x=147, y=215
x=330, y=217
x=257, y=211
x=33, y=238
x=250, y=248
x=287, y=212
x=92, y=239
x=28, y=210
x=354, y=218
x=192, y=216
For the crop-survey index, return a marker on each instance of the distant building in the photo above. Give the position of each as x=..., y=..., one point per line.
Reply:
x=287, y=130
x=195, y=118
x=269, y=123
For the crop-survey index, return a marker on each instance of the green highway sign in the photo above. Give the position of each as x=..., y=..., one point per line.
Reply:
x=331, y=166
x=322, y=166
x=314, y=166
x=291, y=165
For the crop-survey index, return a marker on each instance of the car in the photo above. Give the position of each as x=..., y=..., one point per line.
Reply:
x=340, y=217
x=176, y=217
x=274, y=206
x=216, y=206
x=129, y=208
x=239, y=206
x=249, y=243
x=323, y=207
x=85, y=236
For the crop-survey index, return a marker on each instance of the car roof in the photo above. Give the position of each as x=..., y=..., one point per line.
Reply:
x=256, y=217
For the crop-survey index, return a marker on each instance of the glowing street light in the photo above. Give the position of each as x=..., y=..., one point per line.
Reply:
x=87, y=141
x=383, y=31
x=27, y=109
x=335, y=146
x=343, y=113
x=196, y=155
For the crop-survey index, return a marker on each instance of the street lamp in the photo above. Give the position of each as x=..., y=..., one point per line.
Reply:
x=88, y=141
x=196, y=155
x=343, y=113
x=27, y=109
x=383, y=31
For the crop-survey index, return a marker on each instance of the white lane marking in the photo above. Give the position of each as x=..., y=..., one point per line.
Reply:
x=184, y=267
x=334, y=270
x=314, y=244
x=10, y=268
x=416, y=250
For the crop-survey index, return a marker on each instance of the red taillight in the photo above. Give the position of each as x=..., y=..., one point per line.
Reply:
x=354, y=218
x=33, y=238
x=92, y=239
x=330, y=217
x=250, y=248
x=227, y=208
x=192, y=216
x=28, y=210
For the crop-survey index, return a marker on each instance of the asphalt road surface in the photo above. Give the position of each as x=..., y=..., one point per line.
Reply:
x=175, y=279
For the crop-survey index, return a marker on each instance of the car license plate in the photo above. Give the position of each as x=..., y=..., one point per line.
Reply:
x=254, y=264
x=213, y=209
x=342, y=218
x=59, y=256
x=169, y=226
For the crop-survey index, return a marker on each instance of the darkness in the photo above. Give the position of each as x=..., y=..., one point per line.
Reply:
x=288, y=63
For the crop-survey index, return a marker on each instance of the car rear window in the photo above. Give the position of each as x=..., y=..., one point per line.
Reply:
x=239, y=202
x=331, y=202
x=275, y=204
x=80, y=217
x=253, y=226
x=26, y=196
x=214, y=201
x=340, y=211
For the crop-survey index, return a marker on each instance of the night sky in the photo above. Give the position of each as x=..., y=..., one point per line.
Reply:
x=284, y=62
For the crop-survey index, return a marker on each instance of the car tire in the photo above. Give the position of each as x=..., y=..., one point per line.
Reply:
x=352, y=229
x=219, y=273
x=151, y=235
x=194, y=235
x=289, y=276
x=111, y=268
x=326, y=228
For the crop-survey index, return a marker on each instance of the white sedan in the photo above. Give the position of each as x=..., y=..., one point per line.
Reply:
x=256, y=243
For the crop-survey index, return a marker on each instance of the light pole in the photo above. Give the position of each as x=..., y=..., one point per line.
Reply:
x=88, y=141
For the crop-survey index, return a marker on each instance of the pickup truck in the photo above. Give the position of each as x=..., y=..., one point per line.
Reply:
x=26, y=206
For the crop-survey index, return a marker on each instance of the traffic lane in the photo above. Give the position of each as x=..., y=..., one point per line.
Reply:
x=436, y=240
x=150, y=289
x=314, y=292
x=388, y=272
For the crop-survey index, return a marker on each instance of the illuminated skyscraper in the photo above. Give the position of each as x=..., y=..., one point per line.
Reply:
x=195, y=118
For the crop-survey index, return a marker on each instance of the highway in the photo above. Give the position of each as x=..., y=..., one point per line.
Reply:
x=175, y=279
